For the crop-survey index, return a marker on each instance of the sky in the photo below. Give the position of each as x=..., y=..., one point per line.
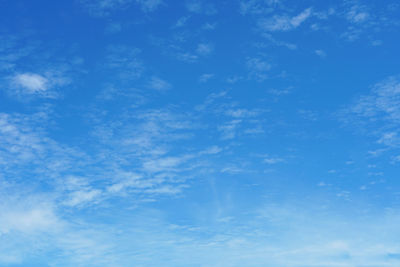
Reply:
x=200, y=133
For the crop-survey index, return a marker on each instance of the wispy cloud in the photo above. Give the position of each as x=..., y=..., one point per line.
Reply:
x=258, y=6
x=31, y=83
x=26, y=85
x=357, y=14
x=149, y=5
x=320, y=53
x=285, y=22
x=204, y=49
x=201, y=7
x=272, y=161
x=379, y=110
x=100, y=8
x=259, y=68
x=158, y=84
x=205, y=77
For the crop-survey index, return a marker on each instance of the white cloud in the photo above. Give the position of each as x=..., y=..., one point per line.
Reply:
x=357, y=14
x=378, y=113
x=205, y=77
x=188, y=57
x=100, y=8
x=163, y=164
x=376, y=43
x=285, y=23
x=212, y=150
x=209, y=26
x=78, y=198
x=204, y=49
x=389, y=139
x=258, y=6
x=159, y=84
x=27, y=85
x=241, y=113
x=396, y=159
x=149, y=5
x=166, y=190
x=279, y=92
x=229, y=129
x=320, y=53
x=272, y=161
x=274, y=41
x=200, y=7
x=383, y=102
x=31, y=83
x=181, y=22
x=29, y=219
x=125, y=60
x=258, y=68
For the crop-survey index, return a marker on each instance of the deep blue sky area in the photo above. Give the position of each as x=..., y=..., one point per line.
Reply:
x=200, y=133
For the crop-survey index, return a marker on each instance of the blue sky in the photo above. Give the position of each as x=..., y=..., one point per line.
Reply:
x=199, y=133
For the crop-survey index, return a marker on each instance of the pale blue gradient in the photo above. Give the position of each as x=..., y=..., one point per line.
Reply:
x=199, y=133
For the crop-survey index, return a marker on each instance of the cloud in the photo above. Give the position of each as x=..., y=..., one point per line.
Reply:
x=31, y=83
x=382, y=103
x=149, y=5
x=158, y=84
x=181, y=22
x=163, y=164
x=379, y=110
x=272, y=161
x=79, y=192
x=204, y=49
x=28, y=85
x=101, y=8
x=241, y=113
x=125, y=61
x=205, y=77
x=187, y=57
x=276, y=42
x=357, y=14
x=200, y=7
x=258, y=6
x=279, y=92
x=284, y=23
x=320, y=53
x=212, y=150
x=28, y=220
x=229, y=129
x=258, y=68
x=390, y=139
x=209, y=26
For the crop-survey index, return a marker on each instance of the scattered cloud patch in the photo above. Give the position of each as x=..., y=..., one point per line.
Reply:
x=181, y=22
x=36, y=85
x=125, y=61
x=320, y=53
x=149, y=5
x=285, y=23
x=159, y=84
x=272, y=161
x=258, y=68
x=201, y=7
x=258, y=6
x=380, y=109
x=31, y=83
x=229, y=129
x=204, y=49
x=357, y=14
x=101, y=8
x=205, y=77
